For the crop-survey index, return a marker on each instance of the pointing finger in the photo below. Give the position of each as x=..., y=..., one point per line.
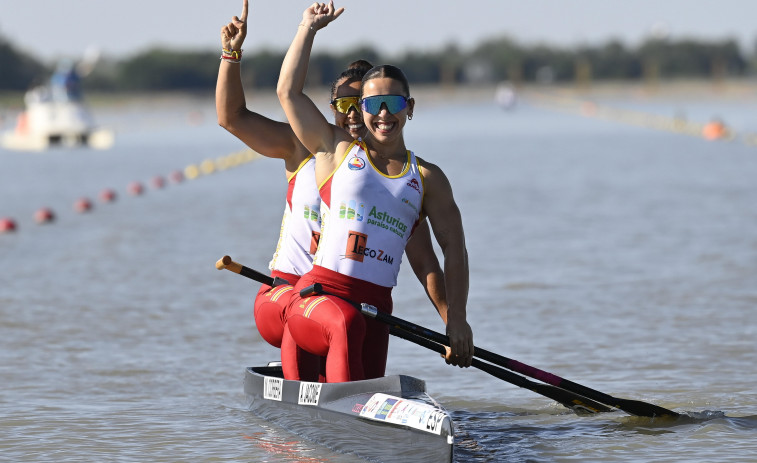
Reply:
x=245, y=5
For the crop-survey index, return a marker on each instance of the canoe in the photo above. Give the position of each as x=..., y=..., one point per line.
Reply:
x=388, y=419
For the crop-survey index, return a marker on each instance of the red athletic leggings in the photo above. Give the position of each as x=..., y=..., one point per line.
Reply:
x=355, y=347
x=269, y=312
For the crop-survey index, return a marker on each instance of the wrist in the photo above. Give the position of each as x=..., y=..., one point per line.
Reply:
x=231, y=56
x=309, y=27
x=456, y=315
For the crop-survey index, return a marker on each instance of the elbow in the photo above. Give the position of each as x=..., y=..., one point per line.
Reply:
x=283, y=94
x=224, y=121
x=229, y=118
x=284, y=91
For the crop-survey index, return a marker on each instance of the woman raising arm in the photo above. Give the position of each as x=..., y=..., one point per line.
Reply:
x=358, y=257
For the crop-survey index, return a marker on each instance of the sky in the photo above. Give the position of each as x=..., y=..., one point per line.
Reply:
x=50, y=29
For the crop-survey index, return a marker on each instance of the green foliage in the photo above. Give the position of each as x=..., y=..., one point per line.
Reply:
x=493, y=60
x=693, y=58
x=261, y=69
x=18, y=71
x=614, y=61
x=162, y=69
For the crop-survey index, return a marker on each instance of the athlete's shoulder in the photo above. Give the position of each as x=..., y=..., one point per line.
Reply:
x=428, y=168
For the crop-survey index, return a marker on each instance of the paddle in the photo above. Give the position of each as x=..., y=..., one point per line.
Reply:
x=572, y=399
x=633, y=407
x=580, y=405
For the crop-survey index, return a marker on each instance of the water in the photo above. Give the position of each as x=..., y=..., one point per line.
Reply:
x=621, y=258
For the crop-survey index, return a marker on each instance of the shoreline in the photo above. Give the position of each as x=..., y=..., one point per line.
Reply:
x=727, y=89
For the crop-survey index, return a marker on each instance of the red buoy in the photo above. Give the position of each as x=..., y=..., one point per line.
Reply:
x=83, y=205
x=107, y=195
x=176, y=176
x=44, y=215
x=135, y=188
x=158, y=182
x=7, y=225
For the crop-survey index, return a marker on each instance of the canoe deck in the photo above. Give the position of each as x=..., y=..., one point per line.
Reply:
x=389, y=419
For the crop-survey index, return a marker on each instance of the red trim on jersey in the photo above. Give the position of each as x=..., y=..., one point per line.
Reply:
x=290, y=190
x=325, y=192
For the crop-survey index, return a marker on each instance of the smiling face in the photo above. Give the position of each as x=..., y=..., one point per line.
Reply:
x=386, y=126
x=353, y=120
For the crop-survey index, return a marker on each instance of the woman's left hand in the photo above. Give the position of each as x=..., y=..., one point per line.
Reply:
x=319, y=15
x=234, y=33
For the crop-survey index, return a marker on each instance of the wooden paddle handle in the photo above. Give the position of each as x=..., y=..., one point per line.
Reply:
x=225, y=262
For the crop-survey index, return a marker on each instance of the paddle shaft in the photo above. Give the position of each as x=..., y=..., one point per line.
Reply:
x=633, y=407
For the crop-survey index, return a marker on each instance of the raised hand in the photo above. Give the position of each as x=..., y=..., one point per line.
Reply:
x=234, y=33
x=319, y=15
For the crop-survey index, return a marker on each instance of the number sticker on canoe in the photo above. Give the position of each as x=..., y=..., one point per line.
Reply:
x=309, y=393
x=395, y=410
x=272, y=388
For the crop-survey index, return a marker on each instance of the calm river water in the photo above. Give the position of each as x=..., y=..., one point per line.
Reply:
x=620, y=257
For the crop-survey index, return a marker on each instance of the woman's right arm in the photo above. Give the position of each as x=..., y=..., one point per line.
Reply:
x=268, y=137
x=307, y=121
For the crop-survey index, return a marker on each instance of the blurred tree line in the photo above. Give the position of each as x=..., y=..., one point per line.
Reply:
x=493, y=60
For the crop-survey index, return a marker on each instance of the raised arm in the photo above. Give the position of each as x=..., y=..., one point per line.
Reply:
x=443, y=214
x=307, y=121
x=268, y=137
x=422, y=257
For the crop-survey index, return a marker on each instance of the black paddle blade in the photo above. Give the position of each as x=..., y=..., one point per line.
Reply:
x=579, y=404
x=639, y=408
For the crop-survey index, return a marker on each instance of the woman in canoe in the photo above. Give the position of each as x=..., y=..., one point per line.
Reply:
x=390, y=191
x=300, y=227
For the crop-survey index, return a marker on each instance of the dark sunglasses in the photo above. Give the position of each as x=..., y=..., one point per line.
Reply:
x=373, y=104
x=345, y=104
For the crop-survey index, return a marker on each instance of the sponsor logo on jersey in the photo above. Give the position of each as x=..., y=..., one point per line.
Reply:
x=351, y=210
x=412, y=206
x=414, y=185
x=358, y=250
x=386, y=221
x=356, y=242
x=356, y=163
x=311, y=212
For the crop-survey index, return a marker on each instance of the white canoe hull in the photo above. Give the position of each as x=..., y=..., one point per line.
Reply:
x=389, y=419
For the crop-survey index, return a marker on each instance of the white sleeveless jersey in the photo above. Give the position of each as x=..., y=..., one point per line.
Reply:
x=300, y=226
x=367, y=217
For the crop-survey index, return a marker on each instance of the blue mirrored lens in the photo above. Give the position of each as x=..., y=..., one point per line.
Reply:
x=394, y=103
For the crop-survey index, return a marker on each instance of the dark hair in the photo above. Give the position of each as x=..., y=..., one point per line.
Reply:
x=361, y=65
x=389, y=71
x=354, y=73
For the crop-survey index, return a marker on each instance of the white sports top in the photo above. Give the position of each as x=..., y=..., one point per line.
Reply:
x=367, y=217
x=300, y=226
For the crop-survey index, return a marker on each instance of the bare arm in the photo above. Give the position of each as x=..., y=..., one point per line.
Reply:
x=308, y=123
x=268, y=137
x=443, y=214
x=420, y=253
